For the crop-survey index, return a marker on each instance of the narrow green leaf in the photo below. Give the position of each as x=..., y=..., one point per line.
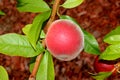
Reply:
x=26, y=29
x=3, y=73
x=2, y=13
x=112, y=52
x=17, y=45
x=34, y=32
x=91, y=44
x=31, y=64
x=46, y=68
x=113, y=32
x=72, y=3
x=113, y=39
x=32, y=6
x=102, y=75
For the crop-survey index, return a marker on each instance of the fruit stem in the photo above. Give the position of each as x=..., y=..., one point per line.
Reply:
x=117, y=67
x=114, y=69
x=39, y=57
x=36, y=66
x=52, y=17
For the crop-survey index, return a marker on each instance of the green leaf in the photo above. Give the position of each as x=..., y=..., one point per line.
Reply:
x=3, y=73
x=46, y=68
x=112, y=52
x=31, y=64
x=42, y=35
x=34, y=32
x=17, y=45
x=113, y=32
x=2, y=13
x=102, y=75
x=113, y=39
x=91, y=45
x=26, y=29
x=69, y=18
x=72, y=3
x=32, y=6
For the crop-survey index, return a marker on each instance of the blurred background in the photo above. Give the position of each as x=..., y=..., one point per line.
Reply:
x=98, y=17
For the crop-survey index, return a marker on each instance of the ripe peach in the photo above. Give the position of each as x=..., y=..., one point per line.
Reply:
x=64, y=39
x=103, y=66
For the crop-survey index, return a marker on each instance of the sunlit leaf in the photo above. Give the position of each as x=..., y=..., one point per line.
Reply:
x=113, y=32
x=113, y=39
x=91, y=44
x=3, y=73
x=32, y=6
x=112, y=52
x=102, y=75
x=17, y=45
x=34, y=32
x=42, y=35
x=46, y=68
x=26, y=29
x=71, y=3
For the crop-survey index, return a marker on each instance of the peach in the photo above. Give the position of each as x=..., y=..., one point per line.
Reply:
x=104, y=66
x=64, y=39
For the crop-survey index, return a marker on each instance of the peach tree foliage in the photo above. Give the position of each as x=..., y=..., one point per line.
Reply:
x=112, y=52
x=29, y=45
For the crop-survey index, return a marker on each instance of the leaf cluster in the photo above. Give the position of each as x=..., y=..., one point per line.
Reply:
x=29, y=44
x=112, y=52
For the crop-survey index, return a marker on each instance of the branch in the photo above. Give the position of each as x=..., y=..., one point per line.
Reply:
x=54, y=11
x=36, y=66
x=39, y=57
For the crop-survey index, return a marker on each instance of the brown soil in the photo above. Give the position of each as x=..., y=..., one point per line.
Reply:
x=96, y=16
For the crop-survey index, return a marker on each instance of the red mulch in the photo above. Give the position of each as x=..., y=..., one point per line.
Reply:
x=96, y=16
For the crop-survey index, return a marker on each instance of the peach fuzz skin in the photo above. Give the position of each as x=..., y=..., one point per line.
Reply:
x=64, y=40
